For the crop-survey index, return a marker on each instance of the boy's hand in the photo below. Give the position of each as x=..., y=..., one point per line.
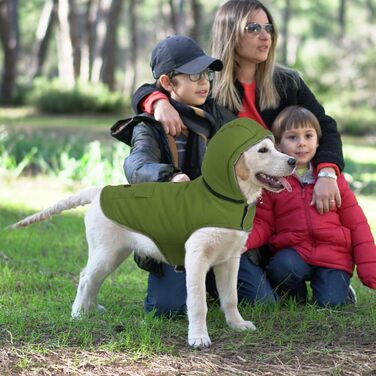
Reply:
x=179, y=178
x=169, y=117
x=326, y=195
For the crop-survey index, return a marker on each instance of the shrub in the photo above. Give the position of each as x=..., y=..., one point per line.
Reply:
x=84, y=97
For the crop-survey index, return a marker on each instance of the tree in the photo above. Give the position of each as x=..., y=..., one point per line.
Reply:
x=285, y=31
x=105, y=46
x=342, y=17
x=66, y=63
x=88, y=39
x=43, y=37
x=110, y=45
x=9, y=34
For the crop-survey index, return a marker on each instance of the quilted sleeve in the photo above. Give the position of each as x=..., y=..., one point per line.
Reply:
x=363, y=243
x=263, y=225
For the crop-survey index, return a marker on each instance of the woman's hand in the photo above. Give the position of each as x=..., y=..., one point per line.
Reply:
x=168, y=116
x=326, y=195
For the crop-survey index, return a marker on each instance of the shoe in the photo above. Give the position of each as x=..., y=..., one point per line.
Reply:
x=351, y=297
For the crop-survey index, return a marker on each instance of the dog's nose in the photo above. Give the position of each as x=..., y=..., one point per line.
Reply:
x=291, y=161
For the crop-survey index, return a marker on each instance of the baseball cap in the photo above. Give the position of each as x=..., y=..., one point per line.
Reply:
x=181, y=54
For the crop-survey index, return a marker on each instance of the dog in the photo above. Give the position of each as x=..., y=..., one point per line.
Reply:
x=240, y=161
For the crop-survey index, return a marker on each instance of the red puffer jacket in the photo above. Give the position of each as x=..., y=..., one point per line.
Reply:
x=337, y=240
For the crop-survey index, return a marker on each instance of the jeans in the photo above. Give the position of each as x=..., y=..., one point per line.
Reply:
x=167, y=294
x=288, y=272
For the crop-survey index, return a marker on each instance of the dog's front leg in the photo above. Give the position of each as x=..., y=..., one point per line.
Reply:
x=226, y=277
x=196, y=266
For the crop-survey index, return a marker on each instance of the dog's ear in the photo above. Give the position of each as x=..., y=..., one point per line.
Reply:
x=241, y=168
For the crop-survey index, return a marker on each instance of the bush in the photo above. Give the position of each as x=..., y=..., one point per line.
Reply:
x=53, y=97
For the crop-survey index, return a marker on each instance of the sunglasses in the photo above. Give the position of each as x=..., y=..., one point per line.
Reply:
x=208, y=74
x=256, y=28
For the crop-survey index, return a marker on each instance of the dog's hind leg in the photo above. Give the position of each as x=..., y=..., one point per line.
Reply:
x=101, y=263
x=226, y=280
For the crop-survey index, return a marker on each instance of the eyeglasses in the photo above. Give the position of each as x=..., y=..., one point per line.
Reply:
x=208, y=74
x=256, y=28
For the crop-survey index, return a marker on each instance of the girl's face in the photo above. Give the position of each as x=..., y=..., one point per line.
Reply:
x=300, y=143
x=191, y=93
x=254, y=47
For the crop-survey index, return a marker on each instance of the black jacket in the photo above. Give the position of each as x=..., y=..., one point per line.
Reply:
x=151, y=157
x=293, y=91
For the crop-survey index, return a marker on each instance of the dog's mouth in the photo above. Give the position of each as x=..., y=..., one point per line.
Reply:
x=273, y=183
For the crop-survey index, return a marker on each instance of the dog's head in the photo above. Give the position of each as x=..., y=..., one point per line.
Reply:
x=263, y=166
x=241, y=158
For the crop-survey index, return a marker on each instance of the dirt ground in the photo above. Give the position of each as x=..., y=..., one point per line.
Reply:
x=258, y=361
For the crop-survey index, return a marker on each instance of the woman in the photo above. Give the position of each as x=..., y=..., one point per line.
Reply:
x=251, y=85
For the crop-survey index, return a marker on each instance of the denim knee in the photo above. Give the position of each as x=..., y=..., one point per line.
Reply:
x=166, y=294
x=287, y=266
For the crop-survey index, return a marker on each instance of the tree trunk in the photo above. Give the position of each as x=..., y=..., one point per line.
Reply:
x=193, y=17
x=43, y=37
x=285, y=32
x=64, y=44
x=133, y=45
x=87, y=51
x=110, y=45
x=75, y=37
x=9, y=34
x=342, y=18
x=101, y=31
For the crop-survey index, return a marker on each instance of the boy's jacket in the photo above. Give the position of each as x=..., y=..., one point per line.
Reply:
x=168, y=213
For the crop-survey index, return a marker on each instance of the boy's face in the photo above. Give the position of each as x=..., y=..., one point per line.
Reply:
x=184, y=90
x=300, y=143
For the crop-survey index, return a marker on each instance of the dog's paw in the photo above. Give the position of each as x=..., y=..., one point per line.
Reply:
x=101, y=309
x=200, y=342
x=76, y=315
x=242, y=325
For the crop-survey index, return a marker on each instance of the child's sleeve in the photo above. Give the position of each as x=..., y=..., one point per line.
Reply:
x=144, y=162
x=363, y=243
x=263, y=224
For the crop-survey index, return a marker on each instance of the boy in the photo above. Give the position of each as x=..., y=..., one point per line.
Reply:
x=307, y=246
x=183, y=71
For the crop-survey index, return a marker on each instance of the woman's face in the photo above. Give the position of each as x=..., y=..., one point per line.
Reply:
x=254, y=48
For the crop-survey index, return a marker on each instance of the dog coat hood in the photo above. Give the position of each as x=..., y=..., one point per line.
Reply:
x=168, y=213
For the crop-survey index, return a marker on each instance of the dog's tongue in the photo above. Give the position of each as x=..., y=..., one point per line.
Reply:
x=285, y=184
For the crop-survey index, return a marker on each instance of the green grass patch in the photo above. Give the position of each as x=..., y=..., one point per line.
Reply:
x=39, y=271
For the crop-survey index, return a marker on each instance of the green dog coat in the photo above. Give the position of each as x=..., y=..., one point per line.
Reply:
x=168, y=213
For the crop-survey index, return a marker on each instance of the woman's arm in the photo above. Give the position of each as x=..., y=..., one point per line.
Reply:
x=326, y=195
x=148, y=98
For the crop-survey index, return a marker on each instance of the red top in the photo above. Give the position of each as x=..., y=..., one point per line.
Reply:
x=249, y=109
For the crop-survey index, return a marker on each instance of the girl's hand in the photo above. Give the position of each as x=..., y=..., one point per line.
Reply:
x=168, y=116
x=326, y=195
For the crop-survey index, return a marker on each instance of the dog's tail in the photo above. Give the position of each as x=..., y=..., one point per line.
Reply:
x=80, y=198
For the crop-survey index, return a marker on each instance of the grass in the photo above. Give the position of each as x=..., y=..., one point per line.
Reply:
x=39, y=271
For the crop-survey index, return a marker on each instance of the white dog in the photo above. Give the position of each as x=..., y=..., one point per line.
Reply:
x=239, y=162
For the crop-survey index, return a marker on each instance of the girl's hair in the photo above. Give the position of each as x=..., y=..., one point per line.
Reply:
x=228, y=29
x=293, y=117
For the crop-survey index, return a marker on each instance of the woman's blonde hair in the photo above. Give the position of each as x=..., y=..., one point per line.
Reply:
x=293, y=117
x=228, y=29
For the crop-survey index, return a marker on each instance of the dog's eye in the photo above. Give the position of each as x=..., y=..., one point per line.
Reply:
x=263, y=150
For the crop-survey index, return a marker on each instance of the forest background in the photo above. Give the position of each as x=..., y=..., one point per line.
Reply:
x=52, y=46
